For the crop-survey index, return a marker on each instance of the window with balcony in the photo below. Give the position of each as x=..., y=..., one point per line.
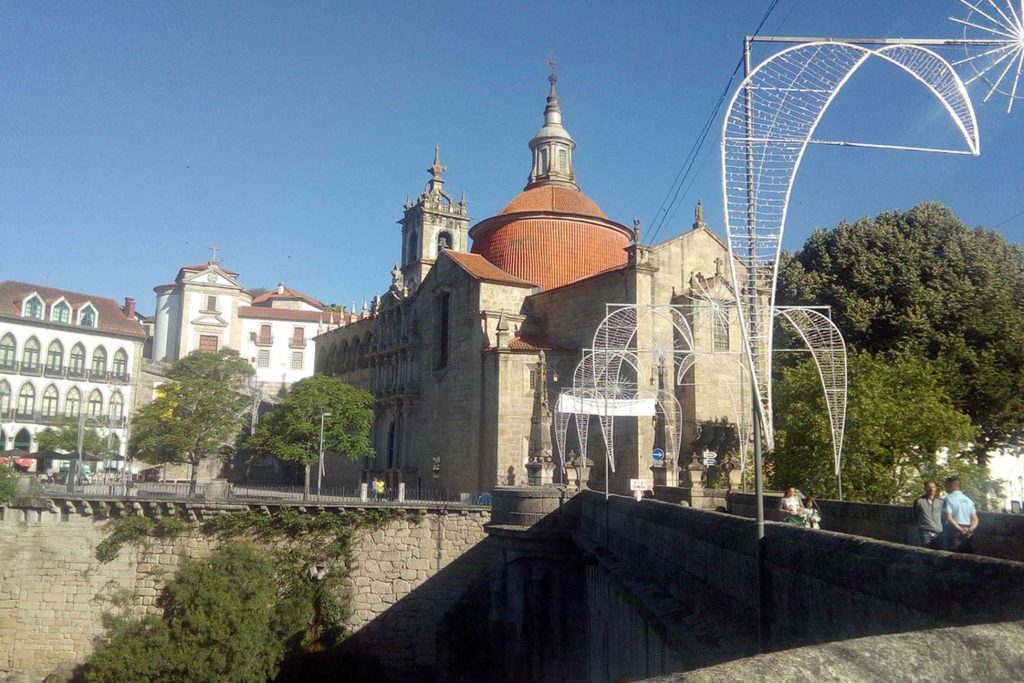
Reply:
x=76, y=361
x=95, y=406
x=30, y=355
x=116, y=406
x=296, y=360
x=61, y=312
x=5, y=399
x=7, y=351
x=87, y=316
x=99, y=361
x=121, y=364
x=73, y=403
x=54, y=357
x=26, y=401
x=49, y=405
x=298, y=337
x=265, y=336
x=34, y=308
x=263, y=358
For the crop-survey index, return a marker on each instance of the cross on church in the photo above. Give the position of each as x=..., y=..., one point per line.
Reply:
x=213, y=253
x=552, y=63
x=718, y=266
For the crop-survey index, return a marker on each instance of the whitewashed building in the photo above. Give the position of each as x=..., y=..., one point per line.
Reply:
x=206, y=309
x=63, y=354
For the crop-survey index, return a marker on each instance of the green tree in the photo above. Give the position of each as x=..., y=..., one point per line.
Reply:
x=898, y=420
x=65, y=438
x=292, y=430
x=7, y=478
x=921, y=282
x=197, y=414
x=224, y=619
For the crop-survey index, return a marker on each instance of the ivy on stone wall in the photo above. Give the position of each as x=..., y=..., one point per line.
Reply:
x=136, y=531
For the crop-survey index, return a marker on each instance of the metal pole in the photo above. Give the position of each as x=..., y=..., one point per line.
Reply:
x=320, y=457
x=932, y=42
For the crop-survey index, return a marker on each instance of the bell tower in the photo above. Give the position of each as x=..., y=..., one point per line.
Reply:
x=434, y=221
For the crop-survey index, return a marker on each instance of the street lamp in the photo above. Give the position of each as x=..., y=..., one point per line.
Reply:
x=320, y=459
x=76, y=463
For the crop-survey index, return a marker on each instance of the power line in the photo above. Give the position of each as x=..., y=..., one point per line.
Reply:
x=1016, y=215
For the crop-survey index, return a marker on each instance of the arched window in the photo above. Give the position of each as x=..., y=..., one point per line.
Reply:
x=73, y=403
x=121, y=364
x=26, y=401
x=54, y=356
x=8, y=349
x=76, y=361
x=30, y=355
x=444, y=241
x=34, y=308
x=115, y=444
x=61, y=312
x=116, y=406
x=49, y=406
x=442, y=330
x=87, y=316
x=410, y=252
x=23, y=440
x=5, y=399
x=95, y=406
x=99, y=361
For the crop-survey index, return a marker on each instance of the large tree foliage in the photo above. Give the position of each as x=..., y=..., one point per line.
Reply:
x=224, y=619
x=292, y=430
x=8, y=476
x=65, y=438
x=898, y=421
x=921, y=282
x=197, y=413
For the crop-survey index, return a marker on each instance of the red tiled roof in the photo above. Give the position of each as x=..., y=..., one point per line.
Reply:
x=481, y=269
x=281, y=314
x=553, y=199
x=204, y=266
x=531, y=343
x=111, y=317
x=288, y=293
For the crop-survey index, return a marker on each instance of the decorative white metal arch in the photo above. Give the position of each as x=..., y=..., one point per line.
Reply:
x=770, y=121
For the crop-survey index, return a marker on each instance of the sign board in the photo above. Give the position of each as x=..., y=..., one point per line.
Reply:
x=638, y=485
x=658, y=455
x=710, y=457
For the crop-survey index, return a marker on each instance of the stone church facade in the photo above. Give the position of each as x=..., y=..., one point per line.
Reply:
x=467, y=351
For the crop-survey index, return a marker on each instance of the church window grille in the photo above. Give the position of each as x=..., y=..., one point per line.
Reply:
x=73, y=403
x=116, y=406
x=99, y=362
x=5, y=399
x=87, y=317
x=76, y=361
x=7, y=351
x=49, y=405
x=263, y=358
x=61, y=313
x=26, y=401
x=533, y=379
x=296, y=360
x=95, y=406
x=54, y=356
x=443, y=323
x=563, y=160
x=121, y=364
x=721, y=329
x=30, y=356
x=34, y=308
x=444, y=241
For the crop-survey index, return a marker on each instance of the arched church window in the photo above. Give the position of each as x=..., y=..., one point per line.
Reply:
x=61, y=312
x=99, y=361
x=76, y=361
x=721, y=329
x=34, y=308
x=26, y=400
x=7, y=351
x=73, y=403
x=444, y=241
x=30, y=355
x=87, y=317
x=442, y=333
x=5, y=399
x=121, y=364
x=95, y=406
x=54, y=356
x=50, y=397
x=116, y=406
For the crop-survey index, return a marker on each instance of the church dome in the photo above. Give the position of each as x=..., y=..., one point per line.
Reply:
x=552, y=234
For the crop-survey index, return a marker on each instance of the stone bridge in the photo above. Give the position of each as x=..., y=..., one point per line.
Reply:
x=551, y=587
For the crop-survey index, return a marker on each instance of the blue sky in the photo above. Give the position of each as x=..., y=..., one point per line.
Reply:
x=135, y=135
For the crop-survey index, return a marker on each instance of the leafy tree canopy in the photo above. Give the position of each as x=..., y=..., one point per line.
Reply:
x=898, y=419
x=223, y=620
x=921, y=282
x=292, y=430
x=7, y=485
x=224, y=366
x=65, y=438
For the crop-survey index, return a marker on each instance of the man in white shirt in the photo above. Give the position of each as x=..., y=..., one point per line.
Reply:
x=959, y=518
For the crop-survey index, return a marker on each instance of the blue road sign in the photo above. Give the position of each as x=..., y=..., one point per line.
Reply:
x=658, y=455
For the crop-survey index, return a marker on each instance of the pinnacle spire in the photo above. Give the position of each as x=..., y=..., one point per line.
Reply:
x=435, y=186
x=552, y=146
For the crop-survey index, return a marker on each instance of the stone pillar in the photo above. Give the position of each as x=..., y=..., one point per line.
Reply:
x=734, y=476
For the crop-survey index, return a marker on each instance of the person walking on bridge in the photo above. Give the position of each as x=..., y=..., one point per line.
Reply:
x=928, y=514
x=959, y=517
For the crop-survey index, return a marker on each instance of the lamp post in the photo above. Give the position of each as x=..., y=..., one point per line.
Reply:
x=76, y=462
x=320, y=459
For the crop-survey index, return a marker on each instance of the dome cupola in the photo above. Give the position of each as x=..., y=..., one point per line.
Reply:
x=552, y=147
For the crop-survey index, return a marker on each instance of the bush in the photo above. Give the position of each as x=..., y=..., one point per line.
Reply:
x=7, y=478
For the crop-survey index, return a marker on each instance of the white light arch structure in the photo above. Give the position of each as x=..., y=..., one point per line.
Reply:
x=769, y=124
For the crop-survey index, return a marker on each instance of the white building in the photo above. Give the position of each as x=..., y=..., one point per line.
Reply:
x=207, y=309
x=62, y=354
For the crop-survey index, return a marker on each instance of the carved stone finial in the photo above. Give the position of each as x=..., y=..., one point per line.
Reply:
x=636, y=231
x=698, y=216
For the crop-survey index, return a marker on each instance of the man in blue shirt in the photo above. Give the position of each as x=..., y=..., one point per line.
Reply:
x=959, y=518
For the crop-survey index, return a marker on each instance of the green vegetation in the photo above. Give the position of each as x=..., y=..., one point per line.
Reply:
x=920, y=282
x=292, y=430
x=197, y=414
x=7, y=478
x=136, y=531
x=65, y=438
x=898, y=419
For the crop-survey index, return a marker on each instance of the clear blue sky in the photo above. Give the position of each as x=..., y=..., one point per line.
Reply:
x=136, y=134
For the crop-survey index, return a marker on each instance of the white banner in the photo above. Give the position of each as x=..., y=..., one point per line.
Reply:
x=618, y=407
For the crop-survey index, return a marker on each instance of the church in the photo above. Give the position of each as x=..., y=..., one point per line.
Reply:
x=484, y=325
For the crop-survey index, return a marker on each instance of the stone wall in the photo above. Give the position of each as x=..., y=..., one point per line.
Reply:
x=53, y=590
x=999, y=535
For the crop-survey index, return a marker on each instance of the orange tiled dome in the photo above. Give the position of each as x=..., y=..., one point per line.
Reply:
x=551, y=235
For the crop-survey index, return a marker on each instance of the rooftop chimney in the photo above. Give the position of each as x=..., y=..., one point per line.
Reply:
x=129, y=307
